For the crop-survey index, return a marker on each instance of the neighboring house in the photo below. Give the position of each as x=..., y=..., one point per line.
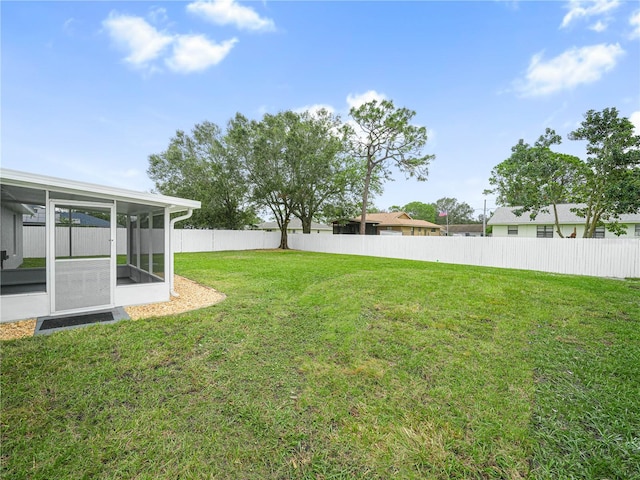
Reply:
x=295, y=226
x=465, y=230
x=506, y=224
x=38, y=217
x=75, y=269
x=394, y=223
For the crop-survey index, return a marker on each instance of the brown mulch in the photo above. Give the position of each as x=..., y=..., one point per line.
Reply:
x=192, y=297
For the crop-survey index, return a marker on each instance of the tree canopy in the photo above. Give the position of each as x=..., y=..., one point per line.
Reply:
x=200, y=166
x=308, y=165
x=535, y=178
x=325, y=174
x=269, y=157
x=294, y=164
x=457, y=212
x=418, y=211
x=612, y=184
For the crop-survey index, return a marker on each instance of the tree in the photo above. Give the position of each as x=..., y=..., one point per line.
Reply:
x=322, y=172
x=605, y=185
x=199, y=166
x=535, y=178
x=267, y=163
x=612, y=185
x=382, y=137
x=294, y=163
x=420, y=211
x=456, y=212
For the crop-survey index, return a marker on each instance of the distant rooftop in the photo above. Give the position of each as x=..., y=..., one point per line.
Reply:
x=505, y=216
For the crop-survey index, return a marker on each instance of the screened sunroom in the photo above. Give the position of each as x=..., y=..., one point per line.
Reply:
x=70, y=247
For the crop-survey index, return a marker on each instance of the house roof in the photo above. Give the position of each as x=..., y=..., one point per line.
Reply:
x=396, y=219
x=294, y=223
x=85, y=220
x=70, y=187
x=505, y=216
x=467, y=227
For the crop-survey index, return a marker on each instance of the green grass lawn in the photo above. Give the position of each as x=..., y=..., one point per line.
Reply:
x=322, y=366
x=40, y=262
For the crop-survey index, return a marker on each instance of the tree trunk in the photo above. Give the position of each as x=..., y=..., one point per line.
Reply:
x=555, y=216
x=284, y=245
x=365, y=201
x=306, y=225
x=589, y=233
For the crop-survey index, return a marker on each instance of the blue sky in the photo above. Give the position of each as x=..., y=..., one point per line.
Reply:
x=91, y=89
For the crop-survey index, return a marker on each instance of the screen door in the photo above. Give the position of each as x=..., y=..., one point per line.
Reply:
x=84, y=249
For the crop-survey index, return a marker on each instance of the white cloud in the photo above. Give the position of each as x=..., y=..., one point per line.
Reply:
x=580, y=8
x=354, y=101
x=315, y=108
x=599, y=26
x=67, y=27
x=569, y=69
x=228, y=12
x=141, y=41
x=635, y=119
x=634, y=21
x=194, y=53
x=143, y=44
x=158, y=15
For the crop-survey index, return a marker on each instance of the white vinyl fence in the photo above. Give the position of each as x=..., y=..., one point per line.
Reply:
x=87, y=241
x=602, y=257
x=619, y=258
x=221, y=240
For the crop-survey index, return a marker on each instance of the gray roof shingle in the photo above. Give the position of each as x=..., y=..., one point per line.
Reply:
x=505, y=216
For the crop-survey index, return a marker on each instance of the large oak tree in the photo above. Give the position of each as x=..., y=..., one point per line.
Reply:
x=200, y=166
x=294, y=164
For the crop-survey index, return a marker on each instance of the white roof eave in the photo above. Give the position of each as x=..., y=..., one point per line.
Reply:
x=24, y=179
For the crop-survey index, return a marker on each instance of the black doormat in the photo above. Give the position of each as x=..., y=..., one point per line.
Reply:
x=47, y=325
x=76, y=320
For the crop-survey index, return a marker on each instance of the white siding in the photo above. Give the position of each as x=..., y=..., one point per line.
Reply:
x=530, y=231
x=11, y=237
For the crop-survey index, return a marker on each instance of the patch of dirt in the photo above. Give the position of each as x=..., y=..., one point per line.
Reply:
x=192, y=297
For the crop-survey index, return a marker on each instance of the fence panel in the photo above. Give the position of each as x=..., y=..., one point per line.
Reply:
x=221, y=240
x=34, y=242
x=87, y=241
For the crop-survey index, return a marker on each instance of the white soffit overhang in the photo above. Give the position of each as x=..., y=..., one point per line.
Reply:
x=24, y=179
